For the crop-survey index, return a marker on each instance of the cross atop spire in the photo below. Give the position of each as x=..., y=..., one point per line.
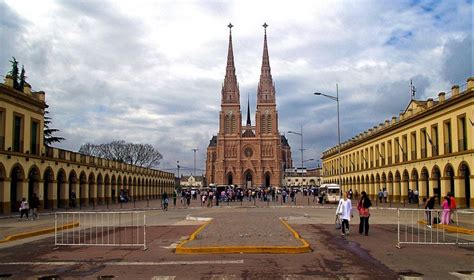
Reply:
x=230, y=90
x=266, y=90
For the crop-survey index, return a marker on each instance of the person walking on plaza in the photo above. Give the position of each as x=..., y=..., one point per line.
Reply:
x=24, y=209
x=385, y=195
x=175, y=195
x=364, y=213
x=452, y=206
x=446, y=206
x=380, y=195
x=344, y=211
x=165, y=201
x=429, y=206
x=34, y=206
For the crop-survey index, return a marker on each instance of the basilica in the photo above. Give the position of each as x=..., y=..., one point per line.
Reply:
x=248, y=155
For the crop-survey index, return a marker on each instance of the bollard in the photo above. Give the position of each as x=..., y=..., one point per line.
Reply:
x=147, y=202
x=121, y=204
x=134, y=202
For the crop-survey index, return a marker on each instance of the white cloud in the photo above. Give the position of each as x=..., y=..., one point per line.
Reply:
x=151, y=71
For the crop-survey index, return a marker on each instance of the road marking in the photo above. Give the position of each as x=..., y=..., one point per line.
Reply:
x=163, y=277
x=463, y=276
x=126, y=263
x=172, y=245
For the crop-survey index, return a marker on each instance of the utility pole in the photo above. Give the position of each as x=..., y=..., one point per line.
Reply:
x=195, y=150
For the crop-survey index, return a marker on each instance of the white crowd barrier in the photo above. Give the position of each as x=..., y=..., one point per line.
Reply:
x=422, y=226
x=127, y=229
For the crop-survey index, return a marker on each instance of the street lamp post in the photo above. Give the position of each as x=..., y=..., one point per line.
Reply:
x=336, y=98
x=179, y=180
x=194, y=150
x=302, y=159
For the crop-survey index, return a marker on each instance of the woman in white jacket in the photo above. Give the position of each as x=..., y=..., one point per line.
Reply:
x=344, y=210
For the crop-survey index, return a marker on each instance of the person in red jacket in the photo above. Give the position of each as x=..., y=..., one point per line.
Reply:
x=452, y=205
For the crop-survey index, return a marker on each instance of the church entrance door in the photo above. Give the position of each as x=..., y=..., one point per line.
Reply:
x=248, y=180
x=267, y=180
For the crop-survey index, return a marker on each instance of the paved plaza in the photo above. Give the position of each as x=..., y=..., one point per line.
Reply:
x=332, y=256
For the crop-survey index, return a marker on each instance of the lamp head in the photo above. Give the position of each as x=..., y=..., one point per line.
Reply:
x=317, y=93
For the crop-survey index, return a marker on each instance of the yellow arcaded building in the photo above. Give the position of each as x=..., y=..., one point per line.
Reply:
x=429, y=147
x=27, y=166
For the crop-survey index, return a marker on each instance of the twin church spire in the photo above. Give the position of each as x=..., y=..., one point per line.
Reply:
x=230, y=88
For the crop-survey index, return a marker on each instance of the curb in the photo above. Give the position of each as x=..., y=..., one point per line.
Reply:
x=180, y=249
x=451, y=228
x=37, y=232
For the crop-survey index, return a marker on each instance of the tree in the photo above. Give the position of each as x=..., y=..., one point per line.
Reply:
x=49, y=138
x=21, y=84
x=14, y=73
x=143, y=155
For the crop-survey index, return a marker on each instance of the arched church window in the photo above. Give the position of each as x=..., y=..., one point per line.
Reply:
x=233, y=124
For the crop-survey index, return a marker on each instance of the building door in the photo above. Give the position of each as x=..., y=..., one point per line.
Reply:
x=229, y=179
x=248, y=180
x=14, y=201
x=465, y=172
x=267, y=180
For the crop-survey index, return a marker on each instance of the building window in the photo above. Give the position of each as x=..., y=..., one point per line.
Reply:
x=389, y=151
x=2, y=129
x=423, y=143
x=17, y=134
x=34, y=138
x=434, y=140
x=382, y=154
x=413, y=146
x=462, y=134
x=405, y=148
x=397, y=150
x=447, y=137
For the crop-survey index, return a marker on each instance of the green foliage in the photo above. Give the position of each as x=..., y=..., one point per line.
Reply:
x=21, y=83
x=49, y=138
x=15, y=73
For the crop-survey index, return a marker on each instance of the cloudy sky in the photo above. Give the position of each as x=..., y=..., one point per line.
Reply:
x=152, y=71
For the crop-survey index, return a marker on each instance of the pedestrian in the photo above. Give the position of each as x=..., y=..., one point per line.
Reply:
x=364, y=213
x=380, y=195
x=385, y=195
x=446, y=206
x=416, y=196
x=34, y=206
x=24, y=209
x=175, y=195
x=73, y=199
x=344, y=211
x=165, y=201
x=429, y=206
x=452, y=205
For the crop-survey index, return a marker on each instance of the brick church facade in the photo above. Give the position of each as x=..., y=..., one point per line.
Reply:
x=248, y=155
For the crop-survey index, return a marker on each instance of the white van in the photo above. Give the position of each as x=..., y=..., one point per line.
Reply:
x=332, y=192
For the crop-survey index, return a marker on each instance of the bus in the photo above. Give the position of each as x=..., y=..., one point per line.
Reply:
x=332, y=192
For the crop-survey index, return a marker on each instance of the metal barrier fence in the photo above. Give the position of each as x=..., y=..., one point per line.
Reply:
x=422, y=226
x=126, y=229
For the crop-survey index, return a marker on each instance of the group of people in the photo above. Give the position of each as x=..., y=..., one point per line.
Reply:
x=344, y=213
x=25, y=208
x=448, y=207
